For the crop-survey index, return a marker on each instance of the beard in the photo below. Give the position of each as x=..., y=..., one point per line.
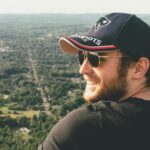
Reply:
x=112, y=90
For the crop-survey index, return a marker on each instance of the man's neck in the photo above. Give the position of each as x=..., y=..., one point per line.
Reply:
x=143, y=93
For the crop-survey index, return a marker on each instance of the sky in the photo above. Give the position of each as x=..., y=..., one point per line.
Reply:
x=74, y=6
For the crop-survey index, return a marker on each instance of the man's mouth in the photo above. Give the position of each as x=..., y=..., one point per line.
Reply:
x=90, y=83
x=90, y=86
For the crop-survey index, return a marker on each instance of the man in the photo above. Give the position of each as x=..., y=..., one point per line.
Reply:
x=114, y=57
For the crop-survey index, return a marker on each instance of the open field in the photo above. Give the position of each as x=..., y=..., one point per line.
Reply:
x=15, y=113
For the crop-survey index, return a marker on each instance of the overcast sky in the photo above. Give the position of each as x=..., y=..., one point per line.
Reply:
x=74, y=6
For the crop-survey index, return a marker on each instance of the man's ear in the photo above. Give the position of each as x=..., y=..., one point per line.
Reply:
x=141, y=67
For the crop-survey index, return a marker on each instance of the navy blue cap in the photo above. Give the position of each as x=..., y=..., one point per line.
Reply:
x=123, y=31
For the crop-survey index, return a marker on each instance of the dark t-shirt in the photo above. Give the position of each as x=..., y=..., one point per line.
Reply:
x=104, y=125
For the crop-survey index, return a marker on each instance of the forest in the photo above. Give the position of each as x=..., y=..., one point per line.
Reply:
x=39, y=84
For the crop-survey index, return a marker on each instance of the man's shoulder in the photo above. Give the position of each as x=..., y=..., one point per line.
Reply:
x=107, y=112
x=96, y=124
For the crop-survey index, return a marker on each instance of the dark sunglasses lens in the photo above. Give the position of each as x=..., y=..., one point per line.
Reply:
x=81, y=57
x=93, y=60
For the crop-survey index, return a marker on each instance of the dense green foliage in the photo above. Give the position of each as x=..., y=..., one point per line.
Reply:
x=36, y=75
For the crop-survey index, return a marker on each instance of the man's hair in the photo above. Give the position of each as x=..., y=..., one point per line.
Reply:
x=127, y=60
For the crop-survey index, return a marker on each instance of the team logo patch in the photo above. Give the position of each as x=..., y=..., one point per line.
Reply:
x=101, y=22
x=87, y=39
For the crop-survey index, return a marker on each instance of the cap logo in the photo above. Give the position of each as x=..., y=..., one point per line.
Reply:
x=101, y=22
x=85, y=39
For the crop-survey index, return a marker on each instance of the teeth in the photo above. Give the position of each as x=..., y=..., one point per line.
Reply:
x=90, y=87
x=90, y=83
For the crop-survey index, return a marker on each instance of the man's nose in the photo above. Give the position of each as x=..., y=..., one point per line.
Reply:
x=85, y=68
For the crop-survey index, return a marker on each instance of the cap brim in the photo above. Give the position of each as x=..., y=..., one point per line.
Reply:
x=74, y=44
x=67, y=46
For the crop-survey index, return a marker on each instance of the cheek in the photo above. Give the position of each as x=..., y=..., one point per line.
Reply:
x=107, y=71
x=101, y=74
x=105, y=78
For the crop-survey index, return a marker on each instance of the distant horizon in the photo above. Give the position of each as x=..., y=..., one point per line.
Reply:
x=43, y=13
x=73, y=7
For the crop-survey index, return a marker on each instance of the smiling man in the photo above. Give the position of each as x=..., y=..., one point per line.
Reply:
x=103, y=83
x=114, y=57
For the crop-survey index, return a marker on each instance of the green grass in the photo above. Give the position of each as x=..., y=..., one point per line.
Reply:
x=28, y=113
x=14, y=113
x=4, y=109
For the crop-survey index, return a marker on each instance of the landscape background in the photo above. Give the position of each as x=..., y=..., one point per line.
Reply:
x=39, y=84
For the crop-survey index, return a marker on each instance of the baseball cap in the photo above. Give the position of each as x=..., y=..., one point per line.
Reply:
x=123, y=31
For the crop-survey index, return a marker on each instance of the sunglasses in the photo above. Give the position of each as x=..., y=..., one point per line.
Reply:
x=93, y=58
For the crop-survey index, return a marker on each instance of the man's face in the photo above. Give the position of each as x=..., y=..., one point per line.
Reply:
x=104, y=82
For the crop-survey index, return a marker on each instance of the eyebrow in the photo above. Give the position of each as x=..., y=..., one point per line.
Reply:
x=108, y=52
x=103, y=54
x=99, y=53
